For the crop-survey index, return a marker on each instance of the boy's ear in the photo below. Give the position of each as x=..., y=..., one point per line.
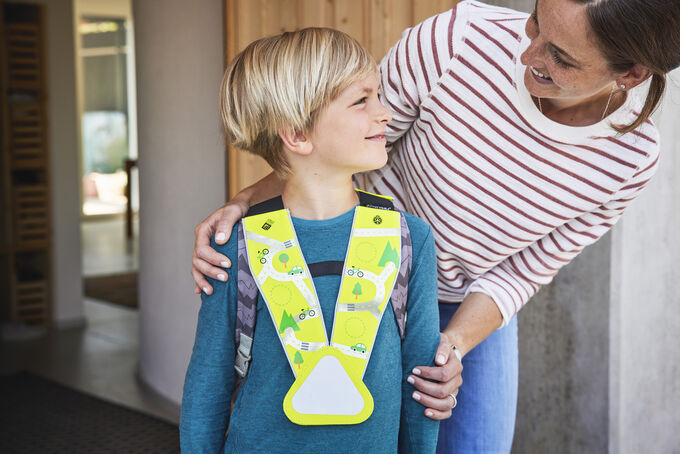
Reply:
x=296, y=141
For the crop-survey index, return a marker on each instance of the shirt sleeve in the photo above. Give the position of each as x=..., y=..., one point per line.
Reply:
x=412, y=68
x=418, y=433
x=515, y=280
x=209, y=381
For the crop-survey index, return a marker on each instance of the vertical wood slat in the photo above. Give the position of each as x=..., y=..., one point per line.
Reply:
x=377, y=24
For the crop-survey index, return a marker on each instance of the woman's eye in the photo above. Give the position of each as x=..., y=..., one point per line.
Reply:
x=534, y=17
x=557, y=59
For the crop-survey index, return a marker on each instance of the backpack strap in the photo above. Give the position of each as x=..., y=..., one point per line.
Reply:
x=400, y=292
x=246, y=312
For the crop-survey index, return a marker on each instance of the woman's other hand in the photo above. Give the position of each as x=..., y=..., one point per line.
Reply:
x=435, y=385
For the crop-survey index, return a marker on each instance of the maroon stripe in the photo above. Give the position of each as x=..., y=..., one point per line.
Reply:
x=401, y=79
x=408, y=59
x=433, y=45
x=648, y=167
x=493, y=40
x=579, y=232
x=636, y=185
x=509, y=284
x=489, y=60
x=606, y=155
x=450, y=32
x=628, y=146
x=517, y=272
x=647, y=138
x=503, y=27
x=539, y=260
x=550, y=254
x=420, y=57
x=551, y=235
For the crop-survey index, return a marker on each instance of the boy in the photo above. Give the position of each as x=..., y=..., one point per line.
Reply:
x=329, y=366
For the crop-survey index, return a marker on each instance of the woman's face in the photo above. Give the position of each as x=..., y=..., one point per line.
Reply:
x=563, y=60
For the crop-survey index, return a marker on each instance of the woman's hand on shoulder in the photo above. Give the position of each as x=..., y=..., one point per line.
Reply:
x=206, y=261
x=436, y=385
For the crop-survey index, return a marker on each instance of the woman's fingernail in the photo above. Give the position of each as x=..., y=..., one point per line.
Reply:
x=410, y=380
x=221, y=236
x=225, y=264
x=416, y=371
x=205, y=289
x=428, y=414
x=416, y=396
x=441, y=359
x=221, y=277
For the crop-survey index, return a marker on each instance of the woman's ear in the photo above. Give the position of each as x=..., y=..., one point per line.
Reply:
x=634, y=77
x=296, y=142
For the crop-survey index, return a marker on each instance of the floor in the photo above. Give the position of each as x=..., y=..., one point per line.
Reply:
x=100, y=358
x=106, y=250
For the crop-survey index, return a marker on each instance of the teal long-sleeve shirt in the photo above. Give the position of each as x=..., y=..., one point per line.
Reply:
x=258, y=423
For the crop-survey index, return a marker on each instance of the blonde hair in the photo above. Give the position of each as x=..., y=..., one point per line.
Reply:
x=283, y=82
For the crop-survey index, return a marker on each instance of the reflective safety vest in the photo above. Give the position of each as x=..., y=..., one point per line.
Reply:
x=328, y=388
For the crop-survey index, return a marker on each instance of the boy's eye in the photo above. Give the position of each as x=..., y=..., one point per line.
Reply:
x=361, y=101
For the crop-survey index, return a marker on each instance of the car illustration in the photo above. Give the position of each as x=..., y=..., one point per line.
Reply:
x=354, y=270
x=261, y=254
x=296, y=270
x=361, y=348
x=304, y=313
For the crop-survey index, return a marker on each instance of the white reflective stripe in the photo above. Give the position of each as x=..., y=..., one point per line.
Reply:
x=290, y=339
x=377, y=232
x=269, y=241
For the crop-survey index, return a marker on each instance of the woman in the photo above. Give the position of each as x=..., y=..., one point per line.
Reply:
x=521, y=141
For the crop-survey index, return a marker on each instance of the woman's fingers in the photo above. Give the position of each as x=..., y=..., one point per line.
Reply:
x=229, y=215
x=201, y=282
x=435, y=408
x=435, y=389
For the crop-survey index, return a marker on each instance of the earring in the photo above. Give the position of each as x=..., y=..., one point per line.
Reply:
x=623, y=86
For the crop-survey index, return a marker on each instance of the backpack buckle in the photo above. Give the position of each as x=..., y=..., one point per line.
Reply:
x=243, y=355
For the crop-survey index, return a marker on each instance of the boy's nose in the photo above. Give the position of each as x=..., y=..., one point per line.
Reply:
x=385, y=114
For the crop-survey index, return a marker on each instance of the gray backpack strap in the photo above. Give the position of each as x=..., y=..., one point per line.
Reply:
x=399, y=296
x=246, y=311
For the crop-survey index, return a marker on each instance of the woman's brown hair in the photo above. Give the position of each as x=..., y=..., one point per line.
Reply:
x=643, y=32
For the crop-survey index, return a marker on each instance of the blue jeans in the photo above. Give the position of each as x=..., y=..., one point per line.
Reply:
x=484, y=419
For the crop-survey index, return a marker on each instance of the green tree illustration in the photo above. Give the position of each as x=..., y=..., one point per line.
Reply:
x=389, y=255
x=298, y=359
x=283, y=258
x=357, y=290
x=288, y=321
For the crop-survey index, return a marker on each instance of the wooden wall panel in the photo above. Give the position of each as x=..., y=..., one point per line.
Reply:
x=377, y=24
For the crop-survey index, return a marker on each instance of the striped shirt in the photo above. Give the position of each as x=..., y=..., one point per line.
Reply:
x=511, y=195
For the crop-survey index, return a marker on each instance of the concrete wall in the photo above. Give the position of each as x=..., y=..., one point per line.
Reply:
x=646, y=273
x=64, y=174
x=181, y=167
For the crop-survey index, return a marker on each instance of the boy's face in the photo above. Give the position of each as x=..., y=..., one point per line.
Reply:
x=350, y=133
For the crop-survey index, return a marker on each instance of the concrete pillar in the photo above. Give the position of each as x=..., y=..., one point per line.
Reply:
x=180, y=61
